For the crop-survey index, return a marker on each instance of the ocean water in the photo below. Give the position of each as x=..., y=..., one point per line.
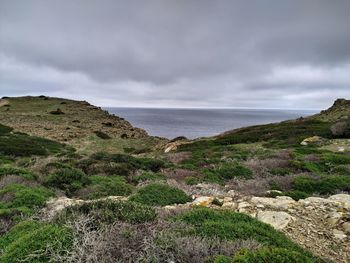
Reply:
x=194, y=123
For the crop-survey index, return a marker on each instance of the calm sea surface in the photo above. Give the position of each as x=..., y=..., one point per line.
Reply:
x=194, y=123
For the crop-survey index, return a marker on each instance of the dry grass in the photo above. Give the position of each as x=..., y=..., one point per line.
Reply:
x=160, y=241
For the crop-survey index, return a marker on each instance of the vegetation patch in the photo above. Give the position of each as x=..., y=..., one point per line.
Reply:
x=22, y=198
x=20, y=144
x=108, y=212
x=34, y=242
x=102, y=186
x=227, y=225
x=160, y=195
x=8, y=170
x=148, y=177
x=68, y=180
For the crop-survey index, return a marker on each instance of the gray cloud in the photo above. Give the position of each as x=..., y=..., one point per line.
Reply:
x=178, y=53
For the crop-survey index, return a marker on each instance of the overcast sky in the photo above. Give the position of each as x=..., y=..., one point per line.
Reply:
x=178, y=53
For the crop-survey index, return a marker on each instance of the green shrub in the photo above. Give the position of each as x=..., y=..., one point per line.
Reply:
x=275, y=255
x=281, y=134
x=102, y=186
x=17, y=232
x=7, y=170
x=336, y=159
x=109, y=211
x=230, y=172
x=228, y=225
x=191, y=180
x=160, y=194
x=296, y=195
x=5, y=129
x=15, y=144
x=68, y=180
x=33, y=242
x=222, y=259
x=217, y=202
x=323, y=185
x=23, y=197
x=120, y=164
x=148, y=176
x=212, y=177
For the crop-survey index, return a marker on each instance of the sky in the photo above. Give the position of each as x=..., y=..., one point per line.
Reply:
x=292, y=54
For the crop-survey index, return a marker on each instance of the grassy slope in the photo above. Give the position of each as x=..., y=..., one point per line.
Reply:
x=87, y=174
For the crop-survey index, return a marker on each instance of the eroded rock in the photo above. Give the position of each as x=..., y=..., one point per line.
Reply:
x=277, y=219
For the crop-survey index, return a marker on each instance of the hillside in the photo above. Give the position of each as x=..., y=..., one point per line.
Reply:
x=61, y=119
x=77, y=123
x=268, y=193
x=340, y=111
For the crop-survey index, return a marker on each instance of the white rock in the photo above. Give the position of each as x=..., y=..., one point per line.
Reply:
x=228, y=205
x=278, y=220
x=243, y=207
x=344, y=199
x=339, y=234
x=231, y=193
x=277, y=203
x=317, y=201
x=346, y=227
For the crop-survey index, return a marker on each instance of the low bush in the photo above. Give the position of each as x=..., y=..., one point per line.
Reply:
x=22, y=197
x=148, y=176
x=323, y=185
x=34, y=242
x=235, y=171
x=160, y=195
x=118, y=164
x=297, y=195
x=275, y=255
x=8, y=170
x=5, y=129
x=25, y=145
x=227, y=225
x=68, y=180
x=336, y=159
x=109, y=211
x=191, y=180
x=102, y=186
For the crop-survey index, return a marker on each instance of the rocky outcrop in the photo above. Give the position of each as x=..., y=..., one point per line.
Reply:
x=317, y=224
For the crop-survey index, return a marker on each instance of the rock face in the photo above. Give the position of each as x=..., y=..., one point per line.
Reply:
x=340, y=110
x=317, y=224
x=278, y=220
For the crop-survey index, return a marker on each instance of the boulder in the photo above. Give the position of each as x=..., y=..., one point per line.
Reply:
x=281, y=202
x=203, y=201
x=278, y=220
x=311, y=140
x=344, y=199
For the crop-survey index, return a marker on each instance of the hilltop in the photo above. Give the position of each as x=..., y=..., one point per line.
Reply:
x=80, y=185
x=62, y=119
x=76, y=123
x=339, y=111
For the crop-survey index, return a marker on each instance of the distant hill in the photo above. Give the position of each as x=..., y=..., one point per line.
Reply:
x=62, y=119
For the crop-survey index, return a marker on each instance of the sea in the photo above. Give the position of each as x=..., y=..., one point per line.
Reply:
x=194, y=123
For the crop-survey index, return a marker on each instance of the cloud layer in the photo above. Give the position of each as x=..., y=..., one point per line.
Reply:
x=261, y=54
